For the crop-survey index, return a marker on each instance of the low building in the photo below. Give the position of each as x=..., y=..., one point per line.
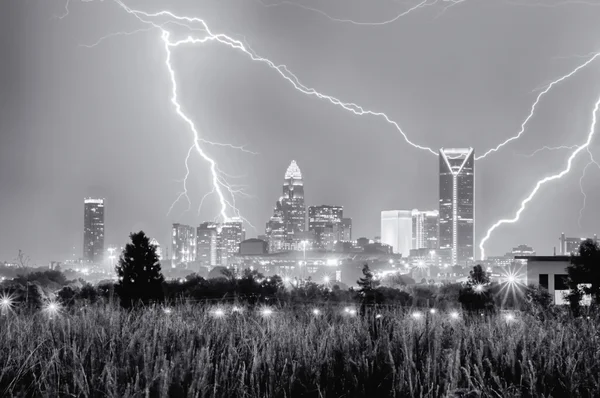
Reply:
x=549, y=272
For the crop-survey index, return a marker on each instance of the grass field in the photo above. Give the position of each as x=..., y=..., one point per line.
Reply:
x=104, y=351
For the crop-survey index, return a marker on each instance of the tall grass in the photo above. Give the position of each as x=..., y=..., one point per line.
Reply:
x=103, y=351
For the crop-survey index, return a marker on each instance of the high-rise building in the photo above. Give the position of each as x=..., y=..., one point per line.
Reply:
x=93, y=230
x=232, y=234
x=183, y=244
x=155, y=243
x=396, y=230
x=457, y=203
x=425, y=229
x=346, y=229
x=325, y=222
x=294, y=210
x=207, y=237
x=275, y=230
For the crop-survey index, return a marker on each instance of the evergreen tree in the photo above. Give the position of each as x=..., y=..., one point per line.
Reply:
x=476, y=296
x=368, y=287
x=140, y=276
x=477, y=276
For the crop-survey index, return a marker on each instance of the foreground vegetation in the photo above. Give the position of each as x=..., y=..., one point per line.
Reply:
x=191, y=350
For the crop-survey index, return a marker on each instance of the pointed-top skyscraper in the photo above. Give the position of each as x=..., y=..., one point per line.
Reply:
x=457, y=203
x=294, y=210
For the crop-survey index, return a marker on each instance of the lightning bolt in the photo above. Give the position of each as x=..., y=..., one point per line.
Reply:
x=591, y=162
x=548, y=148
x=535, y=103
x=424, y=3
x=543, y=181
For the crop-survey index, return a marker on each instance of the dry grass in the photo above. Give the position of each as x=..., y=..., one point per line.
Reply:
x=108, y=352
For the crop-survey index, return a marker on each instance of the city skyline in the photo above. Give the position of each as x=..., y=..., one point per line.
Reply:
x=90, y=126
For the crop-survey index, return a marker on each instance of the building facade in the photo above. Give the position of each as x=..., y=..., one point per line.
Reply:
x=347, y=229
x=325, y=223
x=275, y=232
x=232, y=234
x=207, y=239
x=570, y=246
x=396, y=230
x=183, y=244
x=294, y=209
x=457, y=204
x=93, y=230
x=425, y=229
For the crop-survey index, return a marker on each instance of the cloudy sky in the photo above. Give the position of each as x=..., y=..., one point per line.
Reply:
x=78, y=121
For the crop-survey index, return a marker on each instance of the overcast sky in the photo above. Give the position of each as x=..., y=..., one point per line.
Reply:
x=77, y=122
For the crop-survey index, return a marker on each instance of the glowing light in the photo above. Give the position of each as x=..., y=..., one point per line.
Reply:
x=417, y=315
x=350, y=311
x=454, y=315
x=478, y=288
x=537, y=100
x=326, y=279
x=167, y=310
x=266, y=312
x=218, y=313
x=509, y=317
x=52, y=308
x=286, y=279
x=543, y=181
x=236, y=309
x=332, y=262
x=432, y=311
x=316, y=311
x=378, y=316
x=6, y=303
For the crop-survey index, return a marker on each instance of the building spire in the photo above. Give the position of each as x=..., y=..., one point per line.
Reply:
x=293, y=171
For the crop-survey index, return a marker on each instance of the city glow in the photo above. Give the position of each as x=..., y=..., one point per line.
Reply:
x=332, y=262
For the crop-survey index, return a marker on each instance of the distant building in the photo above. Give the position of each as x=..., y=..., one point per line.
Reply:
x=549, y=272
x=457, y=202
x=362, y=242
x=251, y=247
x=207, y=238
x=183, y=244
x=346, y=229
x=325, y=222
x=275, y=230
x=93, y=230
x=522, y=250
x=155, y=243
x=232, y=234
x=570, y=246
x=294, y=209
x=425, y=229
x=396, y=230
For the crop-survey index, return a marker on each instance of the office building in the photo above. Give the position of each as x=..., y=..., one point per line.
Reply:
x=232, y=234
x=183, y=244
x=207, y=238
x=570, y=246
x=275, y=233
x=346, y=229
x=425, y=229
x=325, y=222
x=93, y=230
x=396, y=230
x=294, y=210
x=457, y=204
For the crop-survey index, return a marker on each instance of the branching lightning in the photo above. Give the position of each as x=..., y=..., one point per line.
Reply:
x=537, y=100
x=424, y=3
x=543, y=181
x=591, y=162
x=548, y=148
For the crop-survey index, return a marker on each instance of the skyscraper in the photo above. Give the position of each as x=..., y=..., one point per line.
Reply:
x=325, y=222
x=93, y=230
x=425, y=229
x=294, y=210
x=275, y=230
x=396, y=230
x=232, y=234
x=207, y=237
x=457, y=203
x=183, y=247
x=346, y=229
